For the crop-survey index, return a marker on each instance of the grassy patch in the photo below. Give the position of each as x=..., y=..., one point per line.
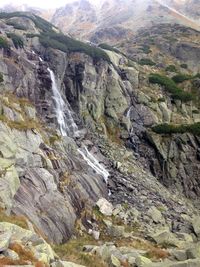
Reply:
x=17, y=40
x=174, y=129
x=157, y=253
x=54, y=138
x=4, y=43
x=146, y=61
x=72, y=251
x=171, y=87
x=18, y=220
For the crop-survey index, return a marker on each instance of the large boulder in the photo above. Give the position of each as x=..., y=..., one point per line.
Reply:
x=105, y=207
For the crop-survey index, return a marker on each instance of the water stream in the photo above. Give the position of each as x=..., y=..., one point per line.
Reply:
x=69, y=128
x=93, y=163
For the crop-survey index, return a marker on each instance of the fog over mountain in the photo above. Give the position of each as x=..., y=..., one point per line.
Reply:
x=111, y=19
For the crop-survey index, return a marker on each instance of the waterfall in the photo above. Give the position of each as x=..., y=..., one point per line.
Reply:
x=93, y=163
x=64, y=116
x=128, y=114
x=69, y=128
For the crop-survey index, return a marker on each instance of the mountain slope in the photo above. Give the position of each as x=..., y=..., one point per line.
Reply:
x=116, y=20
x=80, y=124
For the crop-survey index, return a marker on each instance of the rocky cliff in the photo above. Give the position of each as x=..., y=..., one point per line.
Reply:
x=133, y=116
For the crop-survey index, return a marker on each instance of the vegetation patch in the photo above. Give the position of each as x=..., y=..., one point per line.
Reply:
x=171, y=68
x=18, y=220
x=17, y=40
x=177, y=129
x=109, y=47
x=16, y=25
x=1, y=77
x=179, y=78
x=67, y=44
x=146, y=49
x=4, y=43
x=184, y=66
x=40, y=23
x=171, y=87
x=146, y=61
x=72, y=251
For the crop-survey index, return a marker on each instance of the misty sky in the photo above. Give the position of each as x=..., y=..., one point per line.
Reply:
x=38, y=3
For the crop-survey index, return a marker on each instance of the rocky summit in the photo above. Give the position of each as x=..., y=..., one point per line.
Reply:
x=100, y=142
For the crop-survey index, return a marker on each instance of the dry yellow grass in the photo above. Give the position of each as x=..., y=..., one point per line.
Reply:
x=18, y=220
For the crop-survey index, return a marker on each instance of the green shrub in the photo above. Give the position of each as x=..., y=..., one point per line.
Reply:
x=1, y=77
x=108, y=47
x=171, y=68
x=171, y=87
x=197, y=75
x=174, y=129
x=67, y=44
x=161, y=99
x=179, y=78
x=40, y=23
x=146, y=61
x=184, y=66
x=17, y=40
x=131, y=63
x=146, y=49
x=3, y=43
x=195, y=111
x=16, y=25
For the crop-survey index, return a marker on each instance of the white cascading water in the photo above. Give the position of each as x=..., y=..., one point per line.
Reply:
x=64, y=117
x=69, y=128
x=128, y=114
x=93, y=163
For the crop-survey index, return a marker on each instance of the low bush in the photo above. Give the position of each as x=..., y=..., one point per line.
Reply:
x=184, y=66
x=16, y=25
x=146, y=61
x=146, y=49
x=17, y=40
x=1, y=77
x=67, y=44
x=108, y=47
x=40, y=23
x=179, y=78
x=3, y=43
x=174, y=129
x=171, y=68
x=171, y=87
